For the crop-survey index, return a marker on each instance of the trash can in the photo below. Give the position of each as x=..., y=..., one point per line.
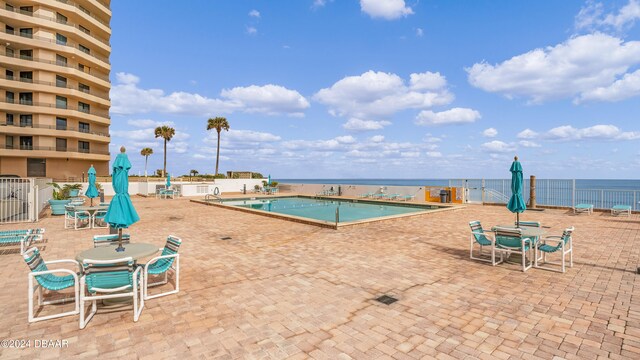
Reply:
x=443, y=196
x=101, y=196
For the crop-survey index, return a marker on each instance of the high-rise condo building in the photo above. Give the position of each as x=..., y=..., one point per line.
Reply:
x=54, y=87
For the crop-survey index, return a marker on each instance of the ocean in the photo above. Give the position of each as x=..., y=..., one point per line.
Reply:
x=594, y=184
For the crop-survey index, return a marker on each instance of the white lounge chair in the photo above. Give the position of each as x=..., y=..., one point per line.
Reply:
x=621, y=209
x=580, y=208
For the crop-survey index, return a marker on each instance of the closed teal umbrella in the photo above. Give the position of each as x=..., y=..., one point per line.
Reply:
x=92, y=190
x=269, y=182
x=516, y=202
x=168, y=181
x=121, y=213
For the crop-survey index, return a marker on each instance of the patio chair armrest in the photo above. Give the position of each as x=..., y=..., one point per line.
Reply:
x=556, y=241
x=553, y=237
x=53, y=271
x=146, y=266
x=124, y=259
x=61, y=261
x=527, y=240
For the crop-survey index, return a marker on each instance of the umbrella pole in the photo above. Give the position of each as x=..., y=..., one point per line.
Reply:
x=517, y=220
x=120, y=248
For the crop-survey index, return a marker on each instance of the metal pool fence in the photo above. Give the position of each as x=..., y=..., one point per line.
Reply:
x=549, y=192
x=22, y=200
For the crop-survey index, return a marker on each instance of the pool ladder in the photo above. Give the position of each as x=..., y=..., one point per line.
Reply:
x=210, y=197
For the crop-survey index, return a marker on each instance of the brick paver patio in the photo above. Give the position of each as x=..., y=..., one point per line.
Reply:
x=279, y=289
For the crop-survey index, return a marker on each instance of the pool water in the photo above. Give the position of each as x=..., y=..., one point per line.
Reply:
x=325, y=209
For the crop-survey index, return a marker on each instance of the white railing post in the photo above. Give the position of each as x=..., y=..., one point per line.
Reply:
x=602, y=199
x=635, y=200
x=573, y=193
x=483, y=189
x=36, y=203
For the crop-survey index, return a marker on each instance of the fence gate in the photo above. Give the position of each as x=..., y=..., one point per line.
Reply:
x=16, y=199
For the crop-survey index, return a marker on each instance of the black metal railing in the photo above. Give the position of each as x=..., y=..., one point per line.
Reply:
x=94, y=73
x=59, y=128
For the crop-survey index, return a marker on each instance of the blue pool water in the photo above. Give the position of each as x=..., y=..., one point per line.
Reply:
x=324, y=209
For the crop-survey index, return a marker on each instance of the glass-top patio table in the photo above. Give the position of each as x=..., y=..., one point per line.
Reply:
x=133, y=250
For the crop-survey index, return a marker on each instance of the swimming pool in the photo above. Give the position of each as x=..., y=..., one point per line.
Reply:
x=324, y=209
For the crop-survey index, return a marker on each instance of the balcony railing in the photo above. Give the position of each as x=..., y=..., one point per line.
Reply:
x=104, y=114
x=55, y=41
x=94, y=73
x=100, y=94
x=29, y=13
x=54, y=148
x=55, y=127
x=69, y=2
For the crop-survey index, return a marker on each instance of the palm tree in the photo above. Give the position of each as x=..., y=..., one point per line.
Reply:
x=192, y=172
x=219, y=123
x=146, y=152
x=166, y=133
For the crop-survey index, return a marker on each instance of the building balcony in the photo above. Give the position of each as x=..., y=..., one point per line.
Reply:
x=93, y=76
x=25, y=106
x=23, y=84
x=68, y=47
x=83, y=12
x=54, y=131
x=33, y=151
x=28, y=17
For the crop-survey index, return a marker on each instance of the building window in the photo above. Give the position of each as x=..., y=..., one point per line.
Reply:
x=26, y=121
x=10, y=97
x=26, y=32
x=84, y=49
x=61, y=124
x=84, y=10
x=84, y=29
x=61, y=18
x=26, y=98
x=9, y=52
x=85, y=108
x=81, y=67
x=61, y=102
x=61, y=39
x=61, y=81
x=9, y=142
x=61, y=144
x=26, y=76
x=83, y=127
x=8, y=29
x=84, y=88
x=26, y=54
x=9, y=7
x=9, y=119
x=26, y=142
x=83, y=146
x=26, y=9
x=61, y=60
x=9, y=74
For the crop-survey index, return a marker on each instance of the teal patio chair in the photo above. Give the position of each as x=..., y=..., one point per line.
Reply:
x=7, y=233
x=479, y=237
x=109, y=239
x=583, y=208
x=97, y=219
x=110, y=279
x=510, y=241
x=621, y=209
x=48, y=280
x=74, y=219
x=24, y=241
x=168, y=260
x=562, y=245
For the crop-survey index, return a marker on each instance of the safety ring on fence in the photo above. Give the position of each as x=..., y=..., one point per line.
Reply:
x=216, y=191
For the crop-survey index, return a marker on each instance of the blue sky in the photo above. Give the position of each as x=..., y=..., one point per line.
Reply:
x=381, y=88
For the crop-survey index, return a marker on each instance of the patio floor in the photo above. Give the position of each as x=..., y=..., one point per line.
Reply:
x=279, y=289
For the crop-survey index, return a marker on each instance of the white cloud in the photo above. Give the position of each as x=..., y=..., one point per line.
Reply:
x=377, y=138
x=128, y=98
x=319, y=3
x=251, y=30
x=254, y=13
x=434, y=154
x=385, y=9
x=527, y=134
x=247, y=136
x=376, y=95
x=592, y=16
x=144, y=136
x=624, y=88
x=364, y=125
x=348, y=139
x=574, y=67
x=528, y=144
x=267, y=99
x=419, y=32
x=410, y=154
x=596, y=132
x=427, y=81
x=570, y=133
x=147, y=123
x=490, y=132
x=451, y=116
x=497, y=146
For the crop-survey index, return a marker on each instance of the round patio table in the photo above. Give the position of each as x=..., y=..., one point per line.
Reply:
x=527, y=231
x=133, y=250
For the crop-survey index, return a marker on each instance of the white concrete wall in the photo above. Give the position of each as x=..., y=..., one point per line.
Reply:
x=186, y=188
x=354, y=190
